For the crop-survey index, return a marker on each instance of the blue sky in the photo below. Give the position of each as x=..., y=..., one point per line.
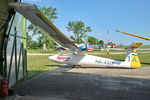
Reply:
x=126, y=15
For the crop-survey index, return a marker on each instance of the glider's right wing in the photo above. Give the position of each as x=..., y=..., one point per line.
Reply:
x=32, y=13
x=134, y=35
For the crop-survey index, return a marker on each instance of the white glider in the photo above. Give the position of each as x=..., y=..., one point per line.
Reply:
x=77, y=57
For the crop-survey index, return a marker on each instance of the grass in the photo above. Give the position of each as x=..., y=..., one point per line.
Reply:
x=41, y=51
x=114, y=51
x=105, y=51
x=145, y=61
x=37, y=65
x=145, y=46
x=142, y=46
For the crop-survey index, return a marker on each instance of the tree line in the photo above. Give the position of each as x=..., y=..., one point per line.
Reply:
x=78, y=29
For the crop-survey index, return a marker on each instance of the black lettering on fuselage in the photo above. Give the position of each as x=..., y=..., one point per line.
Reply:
x=104, y=62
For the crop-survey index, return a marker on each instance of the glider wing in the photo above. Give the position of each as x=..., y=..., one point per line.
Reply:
x=32, y=13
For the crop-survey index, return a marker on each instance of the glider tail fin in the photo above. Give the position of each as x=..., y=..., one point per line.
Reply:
x=132, y=55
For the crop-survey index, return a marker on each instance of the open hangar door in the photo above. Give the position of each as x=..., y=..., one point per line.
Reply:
x=13, y=59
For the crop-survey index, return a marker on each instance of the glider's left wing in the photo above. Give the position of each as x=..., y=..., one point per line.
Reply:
x=32, y=13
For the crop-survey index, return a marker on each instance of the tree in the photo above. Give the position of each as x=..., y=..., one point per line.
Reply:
x=29, y=39
x=49, y=12
x=101, y=42
x=79, y=30
x=43, y=40
x=30, y=43
x=92, y=40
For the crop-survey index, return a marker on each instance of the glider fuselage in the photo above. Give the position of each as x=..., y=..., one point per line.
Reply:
x=89, y=60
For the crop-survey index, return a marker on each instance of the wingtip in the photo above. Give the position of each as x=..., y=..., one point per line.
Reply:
x=117, y=31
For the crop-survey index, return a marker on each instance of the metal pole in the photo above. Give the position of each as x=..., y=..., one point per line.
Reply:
x=24, y=42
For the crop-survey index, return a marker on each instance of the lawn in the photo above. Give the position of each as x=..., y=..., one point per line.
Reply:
x=37, y=65
x=41, y=51
x=142, y=46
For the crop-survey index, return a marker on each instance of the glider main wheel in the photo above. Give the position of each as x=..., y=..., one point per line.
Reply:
x=78, y=66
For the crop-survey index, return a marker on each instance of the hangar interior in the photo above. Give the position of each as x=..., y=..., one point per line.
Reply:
x=13, y=36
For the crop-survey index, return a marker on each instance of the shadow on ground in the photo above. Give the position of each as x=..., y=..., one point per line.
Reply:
x=52, y=65
x=107, y=67
x=145, y=63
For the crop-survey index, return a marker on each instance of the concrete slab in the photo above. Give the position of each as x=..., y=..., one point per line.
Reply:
x=74, y=86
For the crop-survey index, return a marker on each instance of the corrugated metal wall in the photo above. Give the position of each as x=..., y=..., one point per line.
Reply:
x=16, y=50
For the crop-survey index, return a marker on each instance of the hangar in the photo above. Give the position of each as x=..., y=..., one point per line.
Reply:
x=13, y=36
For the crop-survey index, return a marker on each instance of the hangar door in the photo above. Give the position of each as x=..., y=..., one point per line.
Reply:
x=16, y=60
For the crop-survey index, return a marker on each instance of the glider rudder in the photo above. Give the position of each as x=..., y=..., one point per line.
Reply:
x=133, y=56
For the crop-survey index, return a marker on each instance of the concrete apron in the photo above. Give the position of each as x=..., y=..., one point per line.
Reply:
x=60, y=85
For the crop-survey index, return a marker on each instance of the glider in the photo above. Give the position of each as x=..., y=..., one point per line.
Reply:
x=145, y=38
x=77, y=57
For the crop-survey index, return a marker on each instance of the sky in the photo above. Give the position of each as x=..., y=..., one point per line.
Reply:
x=131, y=16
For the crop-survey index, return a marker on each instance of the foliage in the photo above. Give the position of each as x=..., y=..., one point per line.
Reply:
x=43, y=39
x=95, y=41
x=49, y=12
x=79, y=30
x=101, y=42
x=92, y=40
x=30, y=43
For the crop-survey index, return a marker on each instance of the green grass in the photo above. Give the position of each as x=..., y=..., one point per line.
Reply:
x=41, y=51
x=105, y=51
x=145, y=46
x=142, y=46
x=37, y=65
x=144, y=57
x=114, y=51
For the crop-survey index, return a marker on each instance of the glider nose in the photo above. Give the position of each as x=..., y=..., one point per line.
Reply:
x=52, y=58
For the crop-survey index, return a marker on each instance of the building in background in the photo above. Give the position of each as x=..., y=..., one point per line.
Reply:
x=111, y=45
